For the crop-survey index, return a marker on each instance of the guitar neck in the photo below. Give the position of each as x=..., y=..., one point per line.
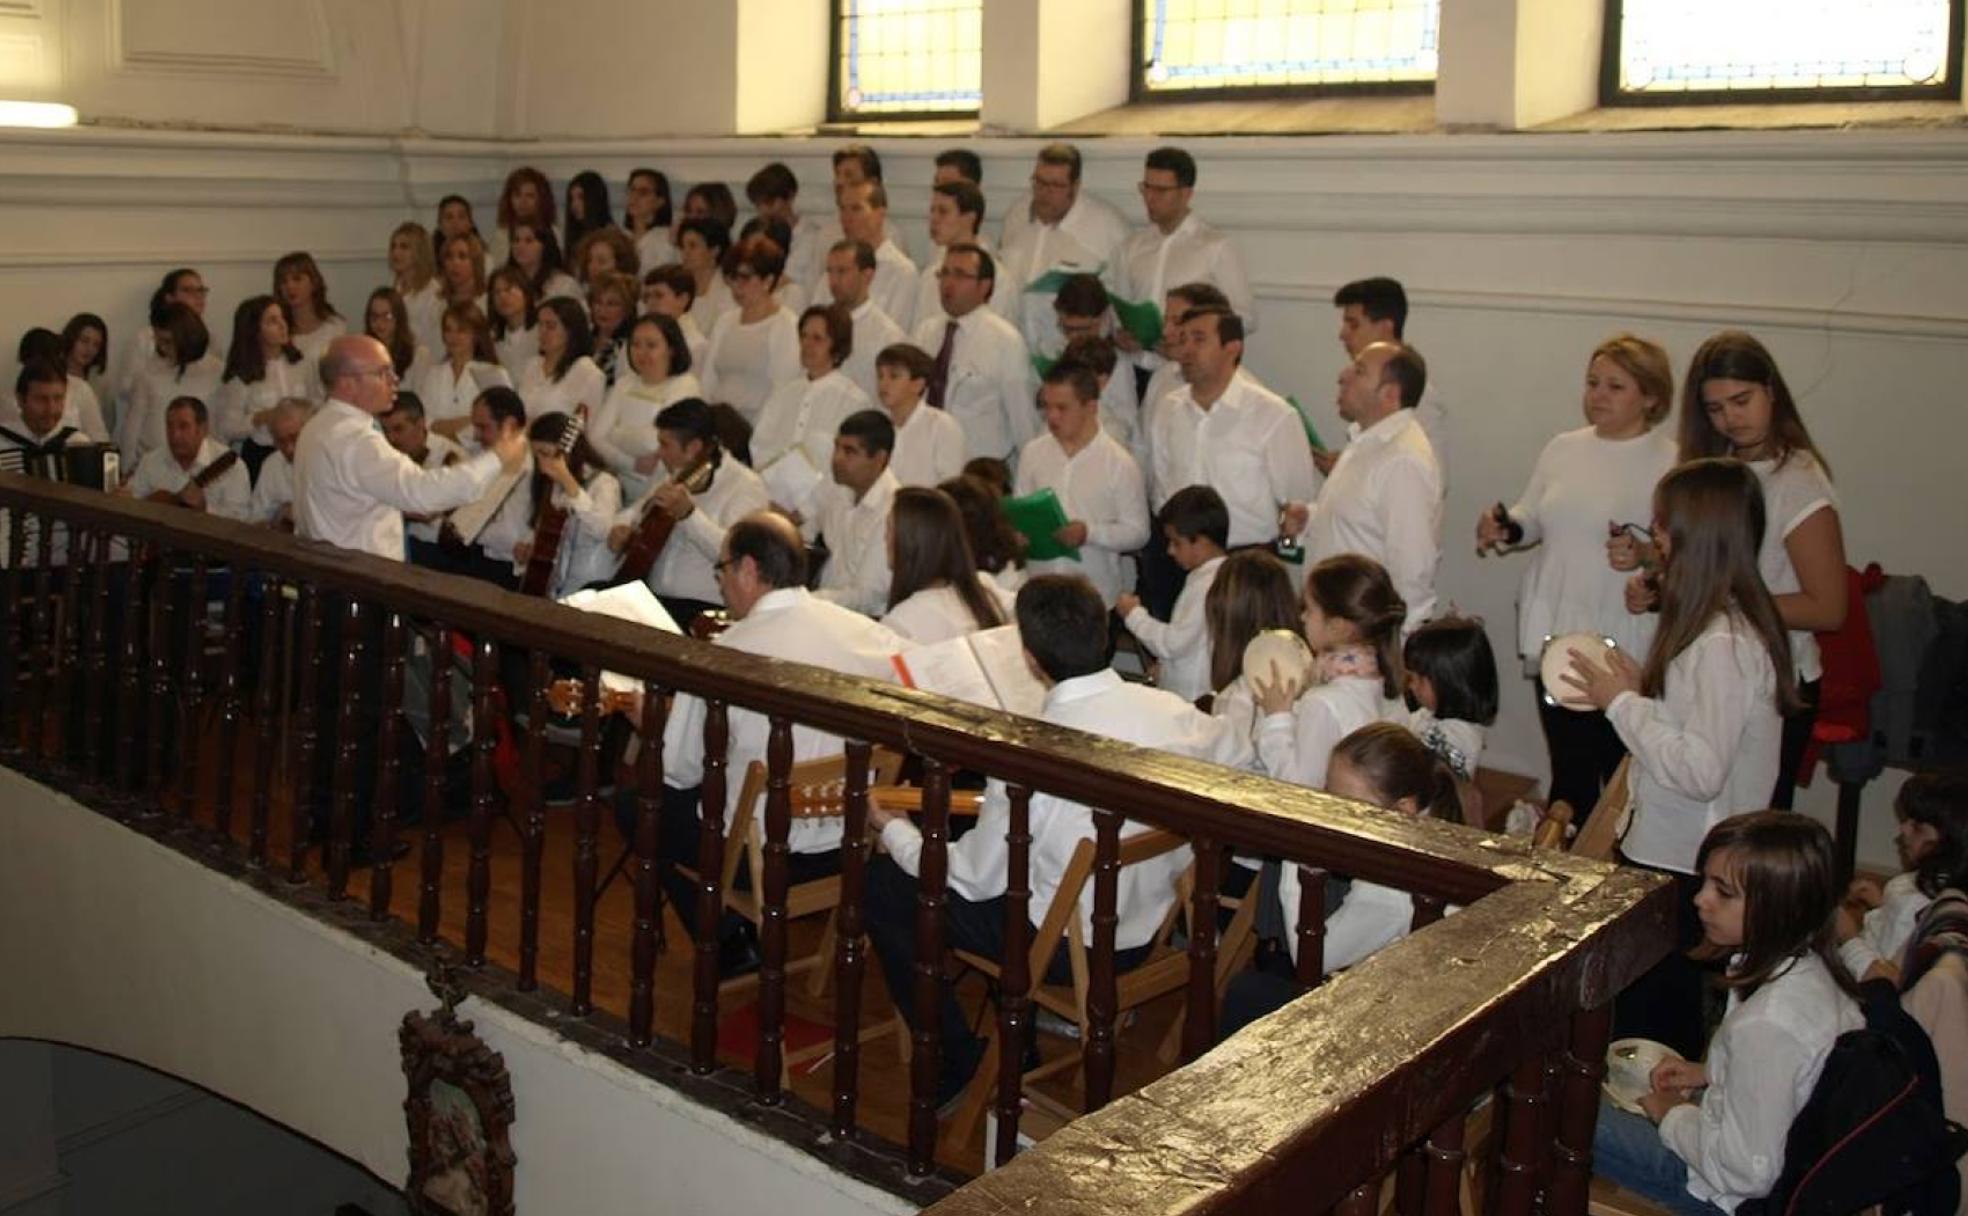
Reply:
x=217, y=469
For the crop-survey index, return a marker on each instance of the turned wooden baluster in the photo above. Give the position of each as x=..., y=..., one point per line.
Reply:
x=300, y=770
x=772, y=910
x=1362, y=1200
x=67, y=648
x=932, y=879
x=342, y=790
x=40, y=659
x=160, y=680
x=437, y=749
x=1311, y=967
x=648, y=890
x=95, y=664
x=10, y=673
x=231, y=710
x=1445, y=1158
x=485, y=798
x=710, y=892
x=1582, y=1069
x=389, y=769
x=533, y=835
x=129, y=675
x=851, y=941
x=191, y=689
x=1097, y=1053
x=1427, y=910
x=1523, y=1143
x=1199, y=1020
x=267, y=742
x=587, y=834
x=1015, y=977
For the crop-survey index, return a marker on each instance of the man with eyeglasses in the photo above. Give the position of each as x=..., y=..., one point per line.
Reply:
x=1173, y=248
x=982, y=369
x=1056, y=226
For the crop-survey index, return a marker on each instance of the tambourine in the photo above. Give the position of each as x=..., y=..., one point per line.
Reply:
x=1557, y=660
x=1281, y=647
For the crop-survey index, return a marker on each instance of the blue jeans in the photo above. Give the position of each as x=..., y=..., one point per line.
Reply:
x=1627, y=1149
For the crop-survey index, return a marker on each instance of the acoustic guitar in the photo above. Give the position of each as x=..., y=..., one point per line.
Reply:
x=205, y=477
x=551, y=526
x=652, y=531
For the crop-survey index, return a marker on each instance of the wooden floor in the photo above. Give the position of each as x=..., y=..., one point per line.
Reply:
x=884, y=1083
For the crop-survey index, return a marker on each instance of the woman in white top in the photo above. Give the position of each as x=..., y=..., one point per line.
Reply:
x=1876, y=921
x=670, y=289
x=262, y=369
x=455, y=218
x=612, y=310
x=999, y=550
x=623, y=432
x=513, y=315
x=181, y=286
x=526, y=198
x=184, y=368
x=646, y=216
x=934, y=591
x=536, y=256
x=562, y=378
x=85, y=343
x=1352, y=620
x=461, y=274
x=312, y=322
x=413, y=271
x=756, y=345
x=806, y=411
x=387, y=319
x=1252, y=594
x=587, y=211
x=589, y=495
x=1585, y=480
x=701, y=245
x=1702, y=716
x=604, y=252
x=1712, y=1134
x=470, y=366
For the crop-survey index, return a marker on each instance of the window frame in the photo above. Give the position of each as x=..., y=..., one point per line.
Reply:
x=1140, y=94
x=839, y=115
x=1611, y=95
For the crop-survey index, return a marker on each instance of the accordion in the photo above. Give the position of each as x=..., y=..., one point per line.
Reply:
x=92, y=465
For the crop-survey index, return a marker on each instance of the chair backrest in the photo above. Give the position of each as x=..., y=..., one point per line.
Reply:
x=1063, y=916
x=1550, y=833
x=1599, y=834
x=818, y=790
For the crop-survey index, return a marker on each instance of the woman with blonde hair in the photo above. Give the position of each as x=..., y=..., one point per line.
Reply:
x=1586, y=483
x=461, y=273
x=413, y=272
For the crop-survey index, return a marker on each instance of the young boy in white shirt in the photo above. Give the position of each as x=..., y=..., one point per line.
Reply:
x=1099, y=486
x=929, y=443
x=1196, y=524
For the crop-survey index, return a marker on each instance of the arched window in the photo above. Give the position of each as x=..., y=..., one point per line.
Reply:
x=1187, y=48
x=1681, y=51
x=906, y=59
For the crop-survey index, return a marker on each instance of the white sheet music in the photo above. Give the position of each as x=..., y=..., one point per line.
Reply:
x=791, y=480
x=986, y=668
x=628, y=602
x=469, y=520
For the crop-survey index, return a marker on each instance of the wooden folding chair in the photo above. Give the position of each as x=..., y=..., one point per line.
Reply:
x=1599, y=835
x=1233, y=948
x=1166, y=969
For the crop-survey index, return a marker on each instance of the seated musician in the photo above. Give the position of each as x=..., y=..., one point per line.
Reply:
x=499, y=412
x=273, y=494
x=761, y=576
x=408, y=431
x=1063, y=622
x=32, y=446
x=572, y=482
x=850, y=516
x=193, y=469
x=683, y=573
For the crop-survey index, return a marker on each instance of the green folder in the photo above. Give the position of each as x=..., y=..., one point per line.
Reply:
x=1037, y=516
x=1143, y=320
x=1305, y=420
x=1049, y=283
x=1043, y=365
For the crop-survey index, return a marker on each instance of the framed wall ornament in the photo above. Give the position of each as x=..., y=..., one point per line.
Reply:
x=459, y=1109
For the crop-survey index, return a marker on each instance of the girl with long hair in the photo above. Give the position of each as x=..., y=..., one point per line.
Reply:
x=413, y=272
x=1252, y=594
x=461, y=272
x=562, y=377
x=526, y=198
x=184, y=367
x=512, y=310
x=587, y=208
x=387, y=319
x=647, y=216
x=935, y=592
x=578, y=485
x=1876, y=921
x=262, y=369
x=997, y=546
x=469, y=366
x=536, y=256
x=312, y=322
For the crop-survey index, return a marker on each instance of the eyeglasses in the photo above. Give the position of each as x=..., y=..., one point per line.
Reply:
x=945, y=272
x=721, y=565
x=385, y=371
x=1040, y=183
x=1152, y=188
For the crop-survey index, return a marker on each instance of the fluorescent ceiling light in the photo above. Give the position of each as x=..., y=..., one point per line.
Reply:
x=36, y=114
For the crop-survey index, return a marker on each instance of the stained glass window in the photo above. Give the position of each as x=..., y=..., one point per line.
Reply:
x=907, y=57
x=1189, y=46
x=1733, y=49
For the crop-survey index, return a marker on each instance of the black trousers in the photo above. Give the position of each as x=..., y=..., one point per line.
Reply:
x=1796, y=737
x=1585, y=749
x=1665, y=1003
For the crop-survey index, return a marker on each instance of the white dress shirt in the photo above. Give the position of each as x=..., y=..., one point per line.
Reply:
x=81, y=410
x=1150, y=262
x=685, y=569
x=1099, y=486
x=1580, y=483
x=805, y=414
x=447, y=395
x=439, y=453
x=1384, y=501
x=1100, y=704
x=1181, y=642
x=708, y=305
x=229, y=496
x=351, y=487
x=235, y=402
x=580, y=384
x=929, y=291
x=623, y=430
x=274, y=490
x=513, y=521
x=426, y=308
x=314, y=345
x=856, y=574
x=1369, y=918
x=584, y=556
x=929, y=447
x=1249, y=446
x=874, y=332
x=746, y=358
x=1296, y=744
x=1120, y=409
x=1885, y=931
x=1704, y=750
x=1792, y=493
x=517, y=349
x=1763, y=1063
x=694, y=341
x=1084, y=241
x=991, y=389
x=894, y=288
x=1162, y=384
x=791, y=624
x=937, y=614
x=156, y=387
x=653, y=248
x=807, y=259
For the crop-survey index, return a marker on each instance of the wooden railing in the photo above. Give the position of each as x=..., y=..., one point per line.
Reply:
x=1309, y=1109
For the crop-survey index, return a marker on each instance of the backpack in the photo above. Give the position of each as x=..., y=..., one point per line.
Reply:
x=1873, y=1131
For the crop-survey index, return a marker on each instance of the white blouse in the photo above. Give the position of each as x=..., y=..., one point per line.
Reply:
x=580, y=384
x=746, y=358
x=937, y=614
x=314, y=345
x=584, y=556
x=157, y=386
x=805, y=414
x=1296, y=745
x=711, y=303
x=235, y=402
x=624, y=428
x=653, y=249
x=1792, y=493
x=426, y=308
x=446, y=394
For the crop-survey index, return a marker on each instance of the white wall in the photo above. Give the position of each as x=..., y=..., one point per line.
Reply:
x=122, y=946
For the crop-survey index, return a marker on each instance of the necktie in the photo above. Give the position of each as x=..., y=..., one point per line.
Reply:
x=939, y=375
